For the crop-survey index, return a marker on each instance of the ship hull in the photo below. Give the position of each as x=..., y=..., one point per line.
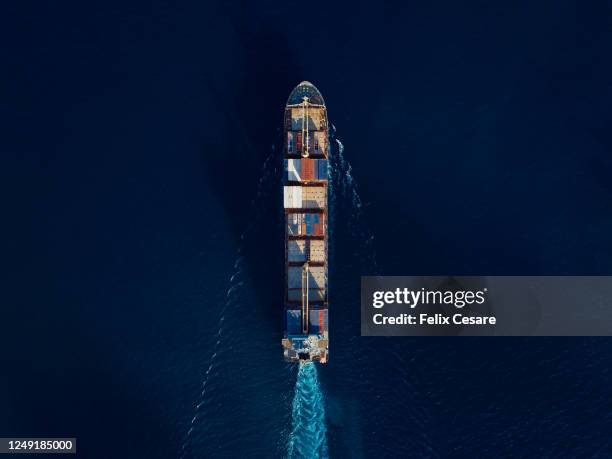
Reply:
x=305, y=200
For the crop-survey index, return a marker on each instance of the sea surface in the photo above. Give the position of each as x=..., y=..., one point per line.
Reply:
x=142, y=229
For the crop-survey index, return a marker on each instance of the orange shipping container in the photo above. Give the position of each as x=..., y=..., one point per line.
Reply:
x=308, y=169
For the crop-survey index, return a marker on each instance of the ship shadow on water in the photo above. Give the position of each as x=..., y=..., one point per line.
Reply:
x=232, y=158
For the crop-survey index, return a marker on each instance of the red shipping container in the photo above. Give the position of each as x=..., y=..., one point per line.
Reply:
x=308, y=169
x=320, y=227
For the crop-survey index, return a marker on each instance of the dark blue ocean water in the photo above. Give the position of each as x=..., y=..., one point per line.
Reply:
x=143, y=248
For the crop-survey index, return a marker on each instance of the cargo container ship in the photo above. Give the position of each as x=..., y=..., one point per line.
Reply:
x=305, y=200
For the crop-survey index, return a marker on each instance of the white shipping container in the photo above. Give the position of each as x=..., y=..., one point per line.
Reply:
x=317, y=250
x=293, y=197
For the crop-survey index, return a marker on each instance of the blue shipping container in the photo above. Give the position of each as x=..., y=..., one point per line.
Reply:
x=322, y=169
x=294, y=322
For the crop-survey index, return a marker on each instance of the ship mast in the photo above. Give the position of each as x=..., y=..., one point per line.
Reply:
x=305, y=133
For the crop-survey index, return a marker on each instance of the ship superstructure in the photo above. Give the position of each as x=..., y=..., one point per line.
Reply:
x=305, y=190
